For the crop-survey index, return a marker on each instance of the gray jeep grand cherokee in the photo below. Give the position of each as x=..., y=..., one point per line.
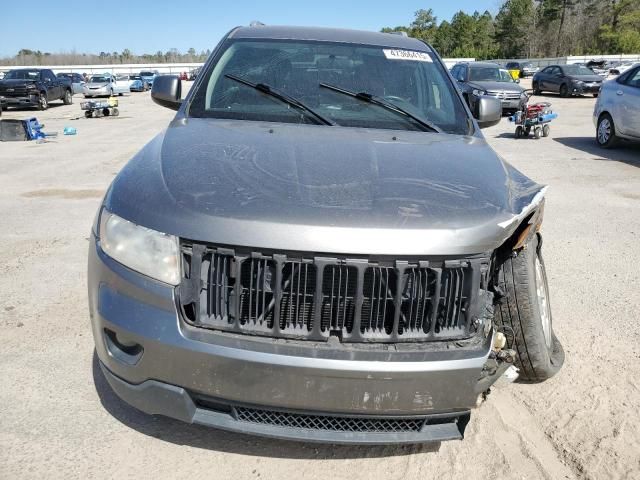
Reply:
x=321, y=246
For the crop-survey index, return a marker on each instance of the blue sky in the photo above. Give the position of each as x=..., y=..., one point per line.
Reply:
x=152, y=25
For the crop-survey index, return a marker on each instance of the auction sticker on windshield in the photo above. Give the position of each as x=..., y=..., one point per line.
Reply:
x=406, y=55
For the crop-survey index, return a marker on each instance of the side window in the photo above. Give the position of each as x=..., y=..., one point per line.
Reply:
x=547, y=70
x=463, y=73
x=48, y=76
x=633, y=80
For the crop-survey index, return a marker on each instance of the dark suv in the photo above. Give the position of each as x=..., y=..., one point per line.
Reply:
x=321, y=246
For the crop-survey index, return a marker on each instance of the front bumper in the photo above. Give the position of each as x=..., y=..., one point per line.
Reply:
x=95, y=92
x=161, y=365
x=581, y=89
x=24, y=101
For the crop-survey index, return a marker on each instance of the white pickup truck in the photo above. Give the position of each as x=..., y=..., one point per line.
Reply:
x=105, y=84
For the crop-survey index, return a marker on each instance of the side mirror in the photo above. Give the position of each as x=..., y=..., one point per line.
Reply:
x=488, y=111
x=517, y=80
x=167, y=91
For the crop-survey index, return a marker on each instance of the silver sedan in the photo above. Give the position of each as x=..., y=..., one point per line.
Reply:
x=617, y=111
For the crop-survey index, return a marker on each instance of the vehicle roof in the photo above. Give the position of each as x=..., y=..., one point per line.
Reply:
x=480, y=64
x=338, y=35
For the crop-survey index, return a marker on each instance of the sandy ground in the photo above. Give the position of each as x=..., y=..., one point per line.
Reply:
x=59, y=419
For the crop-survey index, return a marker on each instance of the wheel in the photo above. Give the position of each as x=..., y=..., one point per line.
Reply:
x=536, y=88
x=606, y=131
x=524, y=314
x=595, y=95
x=537, y=132
x=545, y=130
x=115, y=112
x=67, y=98
x=120, y=94
x=519, y=131
x=43, y=103
x=527, y=131
x=88, y=114
x=564, y=90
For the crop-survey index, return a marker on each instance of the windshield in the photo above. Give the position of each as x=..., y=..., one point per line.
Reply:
x=22, y=75
x=484, y=74
x=413, y=81
x=505, y=76
x=134, y=77
x=147, y=74
x=65, y=75
x=577, y=70
x=99, y=79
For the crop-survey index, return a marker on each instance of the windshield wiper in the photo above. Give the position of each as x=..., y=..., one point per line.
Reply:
x=288, y=99
x=392, y=107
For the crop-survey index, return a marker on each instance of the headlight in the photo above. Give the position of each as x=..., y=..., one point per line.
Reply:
x=479, y=93
x=144, y=250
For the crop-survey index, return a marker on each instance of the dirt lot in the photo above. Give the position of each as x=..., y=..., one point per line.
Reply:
x=58, y=418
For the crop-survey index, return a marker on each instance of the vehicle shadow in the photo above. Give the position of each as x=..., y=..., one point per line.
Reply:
x=198, y=436
x=54, y=105
x=625, y=152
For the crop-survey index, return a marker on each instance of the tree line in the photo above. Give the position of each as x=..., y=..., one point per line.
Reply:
x=533, y=29
x=35, y=57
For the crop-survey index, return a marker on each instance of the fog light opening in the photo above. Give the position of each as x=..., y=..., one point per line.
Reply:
x=126, y=351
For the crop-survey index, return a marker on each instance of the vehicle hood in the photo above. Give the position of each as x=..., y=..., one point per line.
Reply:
x=323, y=189
x=586, y=78
x=497, y=86
x=97, y=84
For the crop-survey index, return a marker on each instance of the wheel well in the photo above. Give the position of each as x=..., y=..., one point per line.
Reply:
x=603, y=113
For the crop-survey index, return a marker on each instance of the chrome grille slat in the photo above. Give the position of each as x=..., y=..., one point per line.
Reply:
x=314, y=298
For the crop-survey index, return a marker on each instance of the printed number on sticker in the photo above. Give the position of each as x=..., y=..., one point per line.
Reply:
x=406, y=55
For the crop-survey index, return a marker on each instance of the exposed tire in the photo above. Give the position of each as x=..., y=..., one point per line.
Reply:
x=43, y=103
x=546, y=129
x=537, y=132
x=67, y=98
x=595, y=95
x=606, y=132
x=564, y=90
x=524, y=314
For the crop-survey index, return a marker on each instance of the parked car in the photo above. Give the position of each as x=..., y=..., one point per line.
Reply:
x=137, y=84
x=567, y=80
x=315, y=247
x=148, y=76
x=619, y=69
x=617, y=111
x=106, y=84
x=477, y=79
x=599, y=67
x=34, y=87
x=77, y=81
x=194, y=73
x=525, y=69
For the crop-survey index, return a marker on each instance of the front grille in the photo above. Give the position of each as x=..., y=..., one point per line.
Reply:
x=505, y=95
x=17, y=91
x=313, y=298
x=329, y=423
